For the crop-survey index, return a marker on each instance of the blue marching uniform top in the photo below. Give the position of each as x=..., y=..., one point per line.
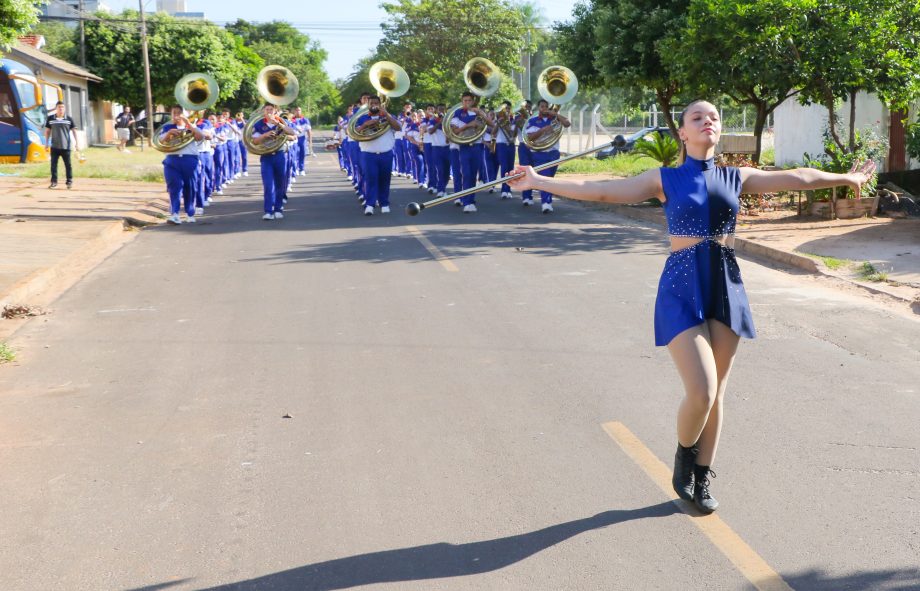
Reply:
x=701, y=281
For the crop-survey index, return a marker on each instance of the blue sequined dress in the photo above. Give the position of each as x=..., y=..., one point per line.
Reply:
x=701, y=281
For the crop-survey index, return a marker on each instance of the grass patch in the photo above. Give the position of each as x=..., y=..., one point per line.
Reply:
x=868, y=272
x=101, y=163
x=830, y=262
x=768, y=157
x=6, y=354
x=621, y=165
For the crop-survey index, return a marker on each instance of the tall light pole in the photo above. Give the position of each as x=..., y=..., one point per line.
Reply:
x=146, y=74
x=82, y=38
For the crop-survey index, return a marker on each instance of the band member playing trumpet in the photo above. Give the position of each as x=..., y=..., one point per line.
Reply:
x=377, y=156
x=470, y=154
x=414, y=137
x=240, y=123
x=538, y=127
x=180, y=168
x=274, y=165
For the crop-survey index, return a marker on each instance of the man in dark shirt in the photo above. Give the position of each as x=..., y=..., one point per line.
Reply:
x=123, y=124
x=60, y=128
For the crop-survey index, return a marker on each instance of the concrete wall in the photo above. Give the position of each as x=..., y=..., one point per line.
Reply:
x=800, y=129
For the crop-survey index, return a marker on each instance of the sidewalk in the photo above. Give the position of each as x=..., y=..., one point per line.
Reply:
x=49, y=239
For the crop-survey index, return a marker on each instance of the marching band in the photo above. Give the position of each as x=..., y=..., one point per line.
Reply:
x=437, y=148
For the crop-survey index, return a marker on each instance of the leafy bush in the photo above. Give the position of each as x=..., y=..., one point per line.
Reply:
x=869, y=146
x=913, y=140
x=661, y=147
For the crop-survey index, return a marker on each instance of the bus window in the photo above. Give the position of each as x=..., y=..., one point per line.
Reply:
x=37, y=115
x=7, y=111
x=27, y=92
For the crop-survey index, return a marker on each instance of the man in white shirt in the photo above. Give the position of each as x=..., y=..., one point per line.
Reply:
x=377, y=156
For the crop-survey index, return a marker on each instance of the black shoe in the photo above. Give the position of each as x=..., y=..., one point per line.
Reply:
x=702, y=498
x=69, y=184
x=52, y=185
x=682, y=480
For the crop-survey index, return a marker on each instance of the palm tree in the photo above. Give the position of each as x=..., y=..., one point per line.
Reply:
x=660, y=147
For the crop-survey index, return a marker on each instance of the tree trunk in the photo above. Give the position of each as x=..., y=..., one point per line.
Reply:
x=663, y=97
x=832, y=120
x=852, y=141
x=759, y=123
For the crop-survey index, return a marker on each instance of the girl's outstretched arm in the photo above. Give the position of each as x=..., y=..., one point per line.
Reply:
x=754, y=181
x=629, y=190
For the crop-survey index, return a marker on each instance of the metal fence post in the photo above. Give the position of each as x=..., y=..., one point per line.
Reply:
x=594, y=125
x=581, y=128
x=568, y=134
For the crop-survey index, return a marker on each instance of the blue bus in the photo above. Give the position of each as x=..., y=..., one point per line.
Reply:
x=25, y=101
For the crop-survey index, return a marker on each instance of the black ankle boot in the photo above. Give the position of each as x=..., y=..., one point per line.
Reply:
x=702, y=498
x=682, y=481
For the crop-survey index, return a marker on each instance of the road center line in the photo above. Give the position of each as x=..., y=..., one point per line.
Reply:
x=745, y=559
x=435, y=252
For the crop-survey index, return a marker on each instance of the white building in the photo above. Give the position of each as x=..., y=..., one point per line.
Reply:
x=171, y=6
x=71, y=8
x=800, y=129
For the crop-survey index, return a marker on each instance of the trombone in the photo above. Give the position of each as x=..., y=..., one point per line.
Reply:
x=483, y=79
x=193, y=92
x=389, y=80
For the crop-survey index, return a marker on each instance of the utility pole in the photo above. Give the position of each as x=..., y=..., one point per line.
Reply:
x=82, y=38
x=527, y=66
x=149, y=108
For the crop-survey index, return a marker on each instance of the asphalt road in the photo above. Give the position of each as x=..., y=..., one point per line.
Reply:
x=452, y=421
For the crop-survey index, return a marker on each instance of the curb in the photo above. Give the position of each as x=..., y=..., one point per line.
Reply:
x=45, y=285
x=761, y=251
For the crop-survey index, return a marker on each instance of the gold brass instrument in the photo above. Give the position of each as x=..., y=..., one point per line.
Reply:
x=483, y=79
x=279, y=87
x=389, y=80
x=503, y=118
x=557, y=85
x=193, y=92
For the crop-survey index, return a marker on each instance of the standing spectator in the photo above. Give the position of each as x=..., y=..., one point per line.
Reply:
x=63, y=139
x=123, y=125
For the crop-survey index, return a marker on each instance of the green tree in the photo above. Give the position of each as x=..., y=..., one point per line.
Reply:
x=433, y=39
x=176, y=48
x=61, y=41
x=16, y=18
x=621, y=43
x=748, y=41
x=882, y=54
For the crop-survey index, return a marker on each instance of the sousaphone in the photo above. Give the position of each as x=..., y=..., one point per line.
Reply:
x=277, y=86
x=389, y=80
x=483, y=79
x=193, y=92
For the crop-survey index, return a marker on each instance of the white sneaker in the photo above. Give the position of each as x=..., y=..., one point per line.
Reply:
x=528, y=202
x=174, y=219
x=210, y=201
x=394, y=173
x=190, y=219
x=432, y=190
x=385, y=209
x=506, y=195
x=303, y=173
x=219, y=192
x=199, y=211
x=442, y=194
x=471, y=208
x=491, y=189
x=351, y=178
x=279, y=215
x=457, y=202
x=268, y=216
x=422, y=186
x=245, y=174
x=547, y=208
x=369, y=210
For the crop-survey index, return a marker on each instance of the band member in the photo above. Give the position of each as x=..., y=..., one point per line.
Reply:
x=274, y=172
x=205, y=166
x=427, y=129
x=59, y=127
x=337, y=142
x=304, y=140
x=489, y=157
x=468, y=117
x=356, y=162
x=346, y=149
x=520, y=124
x=377, y=156
x=234, y=135
x=455, y=170
x=413, y=134
x=701, y=310
x=440, y=152
x=403, y=165
x=537, y=128
x=219, y=143
x=504, y=144
x=180, y=167
x=240, y=123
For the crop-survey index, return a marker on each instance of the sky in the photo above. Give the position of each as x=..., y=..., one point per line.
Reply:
x=347, y=29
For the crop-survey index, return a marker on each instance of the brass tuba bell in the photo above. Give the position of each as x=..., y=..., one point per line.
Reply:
x=557, y=85
x=278, y=86
x=483, y=79
x=389, y=80
x=193, y=92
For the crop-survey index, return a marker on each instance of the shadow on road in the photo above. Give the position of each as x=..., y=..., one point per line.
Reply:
x=435, y=561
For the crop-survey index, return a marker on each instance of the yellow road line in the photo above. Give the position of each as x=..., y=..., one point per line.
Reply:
x=435, y=252
x=745, y=559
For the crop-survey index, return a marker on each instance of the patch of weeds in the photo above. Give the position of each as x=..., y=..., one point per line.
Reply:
x=868, y=272
x=7, y=354
x=830, y=262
